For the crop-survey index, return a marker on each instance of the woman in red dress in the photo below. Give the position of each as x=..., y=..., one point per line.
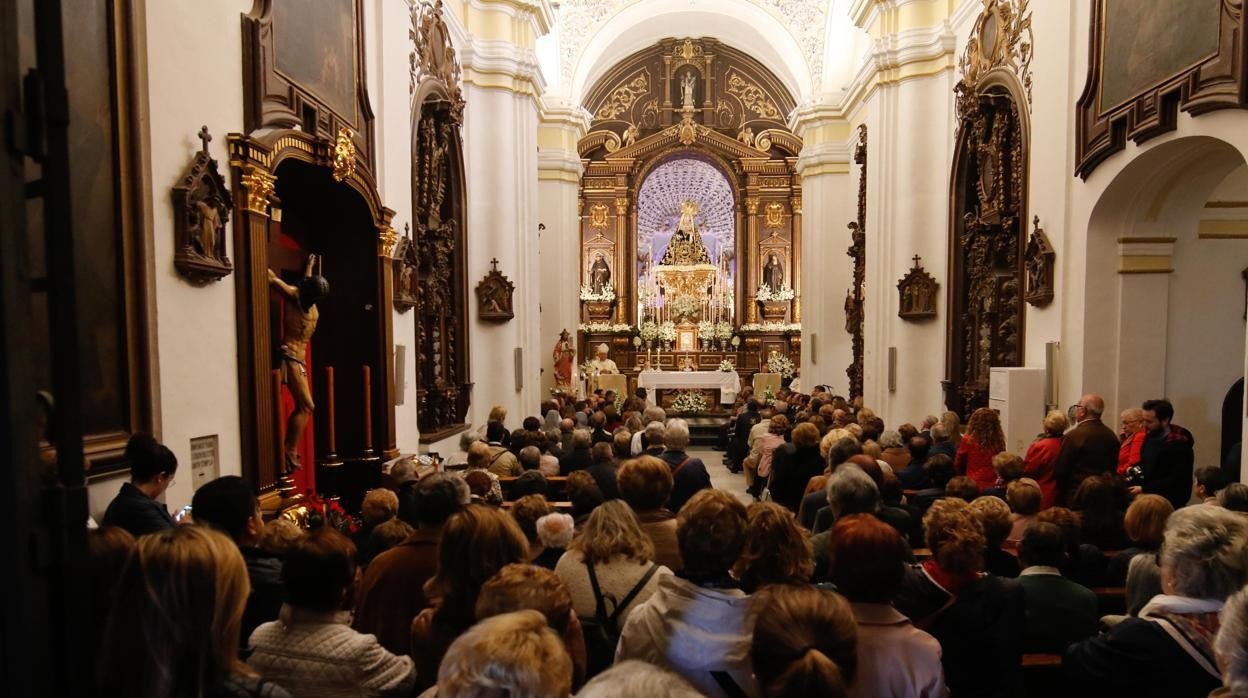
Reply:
x=983, y=440
x=1038, y=463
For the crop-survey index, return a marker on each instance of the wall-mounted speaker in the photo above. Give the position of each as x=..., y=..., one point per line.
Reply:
x=814, y=348
x=400, y=374
x=1050, y=375
x=892, y=369
x=519, y=358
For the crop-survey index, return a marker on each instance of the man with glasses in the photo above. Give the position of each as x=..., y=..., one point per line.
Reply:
x=1091, y=448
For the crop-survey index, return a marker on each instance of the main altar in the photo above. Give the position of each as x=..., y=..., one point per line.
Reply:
x=690, y=216
x=716, y=388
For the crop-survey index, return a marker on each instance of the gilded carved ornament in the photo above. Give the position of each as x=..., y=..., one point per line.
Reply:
x=387, y=241
x=753, y=97
x=259, y=186
x=598, y=215
x=773, y=214
x=432, y=55
x=1001, y=38
x=625, y=96
x=344, y=155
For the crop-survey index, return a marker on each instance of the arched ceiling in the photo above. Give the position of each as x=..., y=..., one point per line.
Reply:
x=788, y=36
x=686, y=179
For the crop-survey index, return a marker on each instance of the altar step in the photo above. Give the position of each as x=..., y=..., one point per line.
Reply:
x=704, y=431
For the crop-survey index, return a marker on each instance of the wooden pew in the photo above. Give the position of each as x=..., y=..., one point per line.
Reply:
x=1042, y=675
x=556, y=487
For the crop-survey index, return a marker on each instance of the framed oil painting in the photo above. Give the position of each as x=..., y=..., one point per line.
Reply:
x=1148, y=60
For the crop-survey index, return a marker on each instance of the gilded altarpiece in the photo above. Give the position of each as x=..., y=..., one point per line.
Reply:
x=988, y=205
x=689, y=144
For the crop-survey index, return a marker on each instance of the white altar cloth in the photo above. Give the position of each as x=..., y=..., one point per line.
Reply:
x=728, y=382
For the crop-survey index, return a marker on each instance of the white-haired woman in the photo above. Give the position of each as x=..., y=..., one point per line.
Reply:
x=1231, y=647
x=1168, y=650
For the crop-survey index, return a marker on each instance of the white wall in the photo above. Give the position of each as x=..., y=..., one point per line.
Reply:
x=194, y=68
x=387, y=46
x=500, y=142
x=912, y=127
x=559, y=272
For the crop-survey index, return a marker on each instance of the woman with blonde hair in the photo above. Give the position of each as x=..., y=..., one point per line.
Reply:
x=609, y=570
x=952, y=424
x=805, y=643
x=777, y=550
x=1042, y=454
x=475, y=544
x=514, y=654
x=983, y=440
x=175, y=625
x=758, y=463
x=975, y=616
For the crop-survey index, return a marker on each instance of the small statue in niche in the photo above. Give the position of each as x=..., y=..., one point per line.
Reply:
x=201, y=206
x=687, y=84
x=599, y=274
x=209, y=228
x=773, y=273
x=916, y=294
x=1038, y=261
x=746, y=136
x=298, y=325
x=494, y=296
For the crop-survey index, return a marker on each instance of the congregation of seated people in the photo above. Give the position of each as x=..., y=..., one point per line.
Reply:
x=587, y=553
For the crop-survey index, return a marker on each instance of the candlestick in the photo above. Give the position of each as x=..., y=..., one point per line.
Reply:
x=368, y=410
x=332, y=440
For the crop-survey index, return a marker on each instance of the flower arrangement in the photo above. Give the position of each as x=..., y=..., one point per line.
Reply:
x=587, y=369
x=606, y=295
x=726, y=366
x=767, y=293
x=781, y=364
x=648, y=331
x=667, y=331
x=706, y=330
x=612, y=328
x=683, y=307
x=769, y=397
x=723, y=330
x=328, y=512
x=689, y=401
x=788, y=328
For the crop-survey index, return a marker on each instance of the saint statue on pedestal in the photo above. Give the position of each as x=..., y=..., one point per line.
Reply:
x=564, y=351
x=773, y=274
x=599, y=274
x=298, y=324
x=687, y=84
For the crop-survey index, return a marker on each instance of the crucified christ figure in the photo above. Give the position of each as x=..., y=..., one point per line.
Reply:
x=299, y=322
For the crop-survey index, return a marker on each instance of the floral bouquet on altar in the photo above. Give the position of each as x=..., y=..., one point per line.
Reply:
x=706, y=330
x=587, y=369
x=723, y=330
x=328, y=512
x=648, y=331
x=726, y=366
x=766, y=293
x=606, y=295
x=667, y=331
x=688, y=402
x=781, y=364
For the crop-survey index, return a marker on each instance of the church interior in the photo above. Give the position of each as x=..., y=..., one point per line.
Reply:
x=338, y=252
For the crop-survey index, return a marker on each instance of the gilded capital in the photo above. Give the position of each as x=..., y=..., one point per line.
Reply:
x=621, y=206
x=387, y=239
x=751, y=206
x=259, y=186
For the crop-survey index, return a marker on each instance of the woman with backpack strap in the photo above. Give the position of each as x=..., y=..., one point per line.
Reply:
x=609, y=571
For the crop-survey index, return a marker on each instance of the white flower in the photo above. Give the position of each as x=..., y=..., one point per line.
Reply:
x=726, y=366
x=750, y=327
x=605, y=296
x=689, y=401
x=617, y=328
x=781, y=364
x=765, y=293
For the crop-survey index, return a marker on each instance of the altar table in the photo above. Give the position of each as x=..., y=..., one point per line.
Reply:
x=728, y=382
